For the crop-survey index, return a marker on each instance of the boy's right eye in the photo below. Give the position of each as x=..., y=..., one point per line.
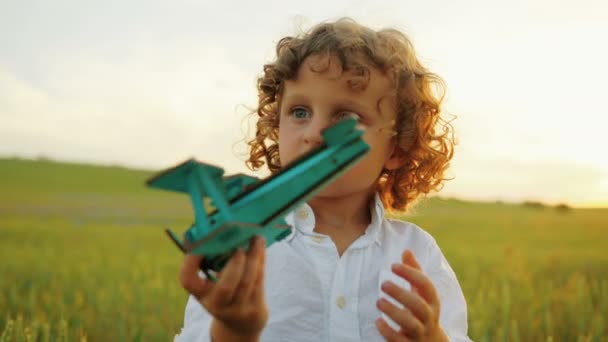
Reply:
x=300, y=113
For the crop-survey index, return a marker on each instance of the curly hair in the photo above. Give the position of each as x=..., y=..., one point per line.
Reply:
x=425, y=139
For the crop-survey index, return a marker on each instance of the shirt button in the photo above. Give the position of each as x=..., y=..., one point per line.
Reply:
x=341, y=302
x=317, y=239
x=302, y=213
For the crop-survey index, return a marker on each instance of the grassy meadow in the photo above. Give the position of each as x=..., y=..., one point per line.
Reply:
x=84, y=257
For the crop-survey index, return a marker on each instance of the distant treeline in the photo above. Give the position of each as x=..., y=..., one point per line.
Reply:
x=540, y=205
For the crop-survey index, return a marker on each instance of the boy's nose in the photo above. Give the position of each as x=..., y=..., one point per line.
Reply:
x=313, y=132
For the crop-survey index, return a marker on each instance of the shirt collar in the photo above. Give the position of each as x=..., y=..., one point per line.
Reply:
x=302, y=221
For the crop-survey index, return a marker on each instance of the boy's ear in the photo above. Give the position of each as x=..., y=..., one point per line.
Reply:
x=396, y=159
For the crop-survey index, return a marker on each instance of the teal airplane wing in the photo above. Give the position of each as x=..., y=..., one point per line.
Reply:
x=235, y=184
x=176, y=178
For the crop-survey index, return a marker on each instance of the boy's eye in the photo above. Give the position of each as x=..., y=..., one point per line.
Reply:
x=348, y=115
x=300, y=113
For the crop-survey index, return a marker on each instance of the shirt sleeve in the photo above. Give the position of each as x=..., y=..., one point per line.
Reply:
x=197, y=323
x=453, y=315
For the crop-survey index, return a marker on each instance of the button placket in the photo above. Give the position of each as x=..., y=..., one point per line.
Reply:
x=343, y=313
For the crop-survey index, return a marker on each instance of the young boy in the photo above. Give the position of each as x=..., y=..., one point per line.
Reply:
x=346, y=273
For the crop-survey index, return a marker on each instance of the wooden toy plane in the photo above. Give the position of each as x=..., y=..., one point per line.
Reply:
x=242, y=206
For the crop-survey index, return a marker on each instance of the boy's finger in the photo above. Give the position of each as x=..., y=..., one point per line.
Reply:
x=251, y=270
x=409, y=258
x=409, y=324
x=414, y=302
x=190, y=279
x=388, y=333
x=418, y=280
x=258, y=287
x=226, y=286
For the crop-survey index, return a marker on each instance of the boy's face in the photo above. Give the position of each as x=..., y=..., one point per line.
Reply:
x=315, y=100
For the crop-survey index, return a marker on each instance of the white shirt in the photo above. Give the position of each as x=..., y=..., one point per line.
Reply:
x=315, y=295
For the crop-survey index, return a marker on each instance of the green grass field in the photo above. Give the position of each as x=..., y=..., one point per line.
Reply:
x=84, y=258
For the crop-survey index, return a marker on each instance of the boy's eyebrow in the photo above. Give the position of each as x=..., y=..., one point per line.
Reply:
x=293, y=97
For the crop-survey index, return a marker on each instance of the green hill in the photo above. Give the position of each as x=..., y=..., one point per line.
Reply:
x=85, y=192
x=47, y=176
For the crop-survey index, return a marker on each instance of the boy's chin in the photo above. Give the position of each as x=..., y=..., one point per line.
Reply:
x=337, y=190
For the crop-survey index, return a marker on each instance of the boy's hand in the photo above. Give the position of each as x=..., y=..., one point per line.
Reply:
x=419, y=319
x=236, y=301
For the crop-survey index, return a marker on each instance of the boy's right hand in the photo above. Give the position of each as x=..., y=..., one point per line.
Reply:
x=236, y=301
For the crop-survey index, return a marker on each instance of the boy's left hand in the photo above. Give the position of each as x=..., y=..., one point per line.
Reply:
x=419, y=319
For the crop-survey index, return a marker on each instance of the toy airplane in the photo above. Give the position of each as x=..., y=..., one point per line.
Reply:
x=243, y=206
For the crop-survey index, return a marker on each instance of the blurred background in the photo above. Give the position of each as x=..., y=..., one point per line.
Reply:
x=97, y=96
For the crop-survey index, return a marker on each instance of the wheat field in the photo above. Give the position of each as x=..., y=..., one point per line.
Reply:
x=84, y=258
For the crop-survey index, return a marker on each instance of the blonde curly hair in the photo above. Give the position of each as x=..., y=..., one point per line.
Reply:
x=425, y=139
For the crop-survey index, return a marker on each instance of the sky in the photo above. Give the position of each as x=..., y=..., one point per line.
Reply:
x=147, y=84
